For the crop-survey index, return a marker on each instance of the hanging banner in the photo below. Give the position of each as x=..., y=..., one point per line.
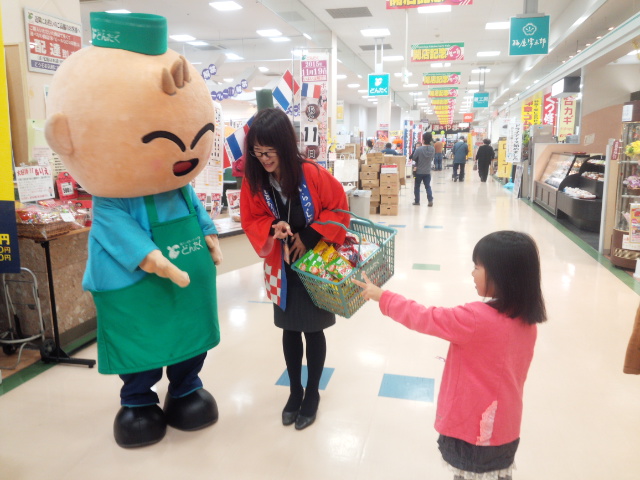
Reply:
x=9, y=254
x=550, y=113
x=504, y=168
x=444, y=78
x=514, y=141
x=467, y=117
x=443, y=92
x=314, y=71
x=566, y=118
x=529, y=36
x=443, y=101
x=526, y=115
x=536, y=109
x=395, y=4
x=51, y=40
x=437, y=52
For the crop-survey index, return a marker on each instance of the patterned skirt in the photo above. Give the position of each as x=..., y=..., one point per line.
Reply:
x=474, y=462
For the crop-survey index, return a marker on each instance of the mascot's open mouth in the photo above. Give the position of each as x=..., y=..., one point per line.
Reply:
x=184, y=167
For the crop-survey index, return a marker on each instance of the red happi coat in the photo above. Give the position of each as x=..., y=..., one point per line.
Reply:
x=256, y=218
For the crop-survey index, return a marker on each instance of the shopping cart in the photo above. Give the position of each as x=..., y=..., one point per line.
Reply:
x=343, y=298
x=14, y=340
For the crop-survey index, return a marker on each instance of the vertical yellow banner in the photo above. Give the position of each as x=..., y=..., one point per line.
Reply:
x=9, y=254
x=6, y=170
x=537, y=109
x=504, y=168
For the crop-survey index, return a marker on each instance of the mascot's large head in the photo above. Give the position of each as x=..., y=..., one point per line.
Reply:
x=128, y=116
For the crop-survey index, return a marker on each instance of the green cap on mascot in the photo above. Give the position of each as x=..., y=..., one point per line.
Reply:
x=134, y=123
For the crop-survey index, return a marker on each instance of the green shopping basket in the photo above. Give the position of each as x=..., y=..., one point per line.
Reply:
x=343, y=298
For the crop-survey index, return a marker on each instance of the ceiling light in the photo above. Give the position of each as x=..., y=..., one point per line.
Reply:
x=363, y=91
x=182, y=38
x=588, y=45
x=228, y=80
x=233, y=56
x=481, y=70
x=473, y=91
x=397, y=74
x=307, y=36
x=365, y=96
x=599, y=37
x=269, y=32
x=341, y=76
x=635, y=52
x=410, y=85
x=280, y=39
x=198, y=43
x=225, y=6
x=435, y=9
x=610, y=28
x=299, y=52
x=375, y=32
x=497, y=26
x=353, y=85
x=437, y=65
x=393, y=58
x=474, y=82
x=488, y=54
x=263, y=69
x=118, y=11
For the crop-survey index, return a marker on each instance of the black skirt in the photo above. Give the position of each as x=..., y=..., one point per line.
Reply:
x=475, y=458
x=301, y=314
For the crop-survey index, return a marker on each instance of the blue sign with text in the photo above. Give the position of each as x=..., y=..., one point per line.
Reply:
x=529, y=36
x=378, y=84
x=481, y=100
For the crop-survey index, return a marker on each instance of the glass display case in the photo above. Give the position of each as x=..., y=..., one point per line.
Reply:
x=625, y=242
x=559, y=166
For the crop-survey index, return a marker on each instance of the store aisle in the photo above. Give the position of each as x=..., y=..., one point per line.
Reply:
x=375, y=422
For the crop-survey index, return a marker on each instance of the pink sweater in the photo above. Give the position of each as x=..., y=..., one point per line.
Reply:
x=480, y=399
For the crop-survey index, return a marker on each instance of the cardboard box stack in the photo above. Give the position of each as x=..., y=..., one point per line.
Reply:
x=370, y=179
x=389, y=189
x=348, y=150
x=400, y=161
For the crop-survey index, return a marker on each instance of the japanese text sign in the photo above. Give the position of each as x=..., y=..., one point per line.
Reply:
x=378, y=84
x=51, y=40
x=529, y=36
x=481, y=100
x=443, y=78
x=443, y=92
x=437, y=52
x=394, y=4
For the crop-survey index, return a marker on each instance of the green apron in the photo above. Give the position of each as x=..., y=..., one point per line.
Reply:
x=155, y=323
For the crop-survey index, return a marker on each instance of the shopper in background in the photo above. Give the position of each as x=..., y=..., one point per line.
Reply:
x=283, y=197
x=439, y=148
x=388, y=150
x=484, y=156
x=369, y=148
x=479, y=409
x=422, y=158
x=460, y=151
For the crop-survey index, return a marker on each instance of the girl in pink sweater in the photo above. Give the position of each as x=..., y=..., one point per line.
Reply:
x=491, y=345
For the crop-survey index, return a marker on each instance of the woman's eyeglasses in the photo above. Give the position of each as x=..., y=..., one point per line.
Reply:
x=264, y=154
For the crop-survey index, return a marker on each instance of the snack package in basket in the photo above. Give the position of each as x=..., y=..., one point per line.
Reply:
x=312, y=263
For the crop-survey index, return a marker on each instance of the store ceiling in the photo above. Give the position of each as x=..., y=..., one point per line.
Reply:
x=574, y=23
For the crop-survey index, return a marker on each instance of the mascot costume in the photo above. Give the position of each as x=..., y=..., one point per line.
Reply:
x=133, y=124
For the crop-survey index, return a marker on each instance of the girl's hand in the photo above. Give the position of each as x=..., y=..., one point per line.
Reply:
x=296, y=249
x=369, y=290
x=281, y=230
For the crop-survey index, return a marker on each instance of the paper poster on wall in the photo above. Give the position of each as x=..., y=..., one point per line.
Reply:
x=51, y=40
x=566, y=118
x=208, y=185
x=34, y=183
x=313, y=106
x=514, y=141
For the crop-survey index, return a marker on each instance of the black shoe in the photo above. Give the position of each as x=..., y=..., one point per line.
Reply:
x=430, y=204
x=191, y=412
x=416, y=203
x=139, y=426
x=288, y=418
x=308, y=411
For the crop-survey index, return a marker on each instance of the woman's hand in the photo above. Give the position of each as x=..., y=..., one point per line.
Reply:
x=296, y=248
x=281, y=230
x=369, y=290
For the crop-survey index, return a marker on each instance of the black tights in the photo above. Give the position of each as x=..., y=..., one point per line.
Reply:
x=292, y=346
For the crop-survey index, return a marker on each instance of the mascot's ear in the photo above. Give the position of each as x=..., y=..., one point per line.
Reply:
x=56, y=131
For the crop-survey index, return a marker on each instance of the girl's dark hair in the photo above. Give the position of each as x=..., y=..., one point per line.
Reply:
x=427, y=138
x=271, y=127
x=512, y=267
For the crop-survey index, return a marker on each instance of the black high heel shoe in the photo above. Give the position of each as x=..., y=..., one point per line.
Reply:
x=303, y=421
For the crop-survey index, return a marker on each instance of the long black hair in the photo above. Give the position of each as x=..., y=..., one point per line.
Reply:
x=271, y=127
x=512, y=267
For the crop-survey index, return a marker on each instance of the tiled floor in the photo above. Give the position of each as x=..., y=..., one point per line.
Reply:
x=581, y=416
